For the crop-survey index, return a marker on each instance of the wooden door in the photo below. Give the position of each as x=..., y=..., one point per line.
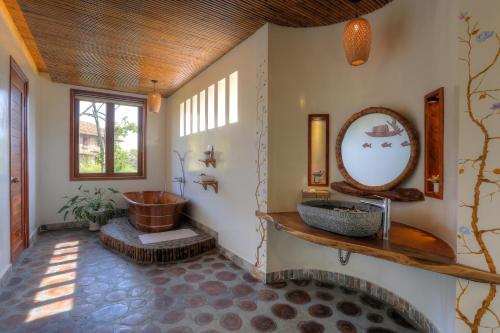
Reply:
x=19, y=225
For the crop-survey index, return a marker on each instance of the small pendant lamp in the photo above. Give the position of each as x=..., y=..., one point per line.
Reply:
x=357, y=40
x=154, y=99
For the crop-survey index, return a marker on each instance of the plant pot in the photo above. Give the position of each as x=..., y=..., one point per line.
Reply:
x=100, y=217
x=94, y=226
x=436, y=187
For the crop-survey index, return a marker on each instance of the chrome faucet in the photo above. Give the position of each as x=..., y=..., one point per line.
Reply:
x=179, y=180
x=386, y=206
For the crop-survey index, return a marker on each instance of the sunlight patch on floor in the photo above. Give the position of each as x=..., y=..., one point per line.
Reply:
x=57, y=279
x=66, y=250
x=50, y=309
x=63, y=258
x=67, y=244
x=61, y=268
x=55, y=292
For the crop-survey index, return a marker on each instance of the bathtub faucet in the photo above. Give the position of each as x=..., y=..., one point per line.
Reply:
x=181, y=180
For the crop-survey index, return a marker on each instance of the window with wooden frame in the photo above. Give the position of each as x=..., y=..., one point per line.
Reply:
x=107, y=134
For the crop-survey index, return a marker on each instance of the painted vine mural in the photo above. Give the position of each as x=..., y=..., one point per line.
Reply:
x=477, y=238
x=261, y=163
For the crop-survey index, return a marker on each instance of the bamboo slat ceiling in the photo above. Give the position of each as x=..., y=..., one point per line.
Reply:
x=123, y=44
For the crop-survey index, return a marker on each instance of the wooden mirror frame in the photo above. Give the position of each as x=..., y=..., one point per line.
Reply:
x=326, y=118
x=412, y=135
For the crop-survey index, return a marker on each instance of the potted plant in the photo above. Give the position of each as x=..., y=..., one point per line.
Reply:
x=435, y=182
x=90, y=206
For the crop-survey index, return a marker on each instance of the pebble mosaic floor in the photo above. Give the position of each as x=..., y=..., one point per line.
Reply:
x=68, y=282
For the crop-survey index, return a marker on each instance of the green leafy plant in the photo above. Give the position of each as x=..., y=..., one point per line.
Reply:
x=89, y=205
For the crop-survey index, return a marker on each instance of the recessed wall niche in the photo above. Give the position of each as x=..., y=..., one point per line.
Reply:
x=318, y=149
x=434, y=144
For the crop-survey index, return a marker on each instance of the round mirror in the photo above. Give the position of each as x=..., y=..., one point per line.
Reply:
x=376, y=149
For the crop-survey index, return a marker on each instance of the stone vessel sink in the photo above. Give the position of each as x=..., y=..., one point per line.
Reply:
x=342, y=217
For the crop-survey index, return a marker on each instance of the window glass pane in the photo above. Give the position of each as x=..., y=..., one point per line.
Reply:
x=202, y=111
x=108, y=142
x=126, y=137
x=181, y=120
x=233, y=98
x=211, y=107
x=92, y=137
x=221, y=103
x=188, y=116
x=195, y=113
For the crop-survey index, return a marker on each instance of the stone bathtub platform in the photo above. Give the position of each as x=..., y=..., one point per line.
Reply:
x=120, y=236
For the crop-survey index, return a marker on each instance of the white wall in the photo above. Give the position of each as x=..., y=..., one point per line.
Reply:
x=477, y=247
x=231, y=211
x=11, y=45
x=53, y=157
x=413, y=53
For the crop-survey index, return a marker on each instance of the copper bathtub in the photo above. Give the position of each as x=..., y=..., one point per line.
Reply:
x=154, y=211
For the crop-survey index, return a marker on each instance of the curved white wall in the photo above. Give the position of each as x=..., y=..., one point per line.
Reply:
x=413, y=53
x=231, y=212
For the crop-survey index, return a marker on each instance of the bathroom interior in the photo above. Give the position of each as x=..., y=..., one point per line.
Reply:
x=249, y=166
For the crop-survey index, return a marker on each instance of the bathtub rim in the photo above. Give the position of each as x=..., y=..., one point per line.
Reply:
x=182, y=201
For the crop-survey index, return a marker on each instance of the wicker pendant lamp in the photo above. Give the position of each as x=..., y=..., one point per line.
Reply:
x=357, y=40
x=154, y=99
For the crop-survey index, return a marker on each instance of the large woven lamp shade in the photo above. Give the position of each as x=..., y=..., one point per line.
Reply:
x=154, y=99
x=357, y=41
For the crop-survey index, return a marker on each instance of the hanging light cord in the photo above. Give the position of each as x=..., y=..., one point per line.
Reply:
x=356, y=8
x=154, y=85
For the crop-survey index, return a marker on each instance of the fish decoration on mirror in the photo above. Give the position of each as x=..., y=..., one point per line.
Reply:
x=382, y=131
x=386, y=145
x=391, y=129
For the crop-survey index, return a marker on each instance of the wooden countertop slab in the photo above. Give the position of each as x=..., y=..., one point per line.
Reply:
x=407, y=246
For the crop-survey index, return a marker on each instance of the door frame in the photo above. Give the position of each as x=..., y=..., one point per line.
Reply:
x=15, y=68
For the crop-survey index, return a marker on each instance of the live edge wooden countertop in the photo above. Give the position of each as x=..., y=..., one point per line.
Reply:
x=407, y=246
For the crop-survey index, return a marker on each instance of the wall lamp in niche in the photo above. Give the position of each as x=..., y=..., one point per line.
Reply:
x=357, y=39
x=154, y=99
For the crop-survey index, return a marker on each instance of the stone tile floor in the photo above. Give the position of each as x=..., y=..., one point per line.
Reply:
x=68, y=282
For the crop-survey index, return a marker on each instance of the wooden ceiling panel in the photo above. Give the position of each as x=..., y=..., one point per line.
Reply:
x=123, y=44
x=18, y=17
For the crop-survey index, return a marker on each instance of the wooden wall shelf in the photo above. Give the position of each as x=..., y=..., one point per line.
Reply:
x=209, y=161
x=214, y=184
x=397, y=194
x=407, y=246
